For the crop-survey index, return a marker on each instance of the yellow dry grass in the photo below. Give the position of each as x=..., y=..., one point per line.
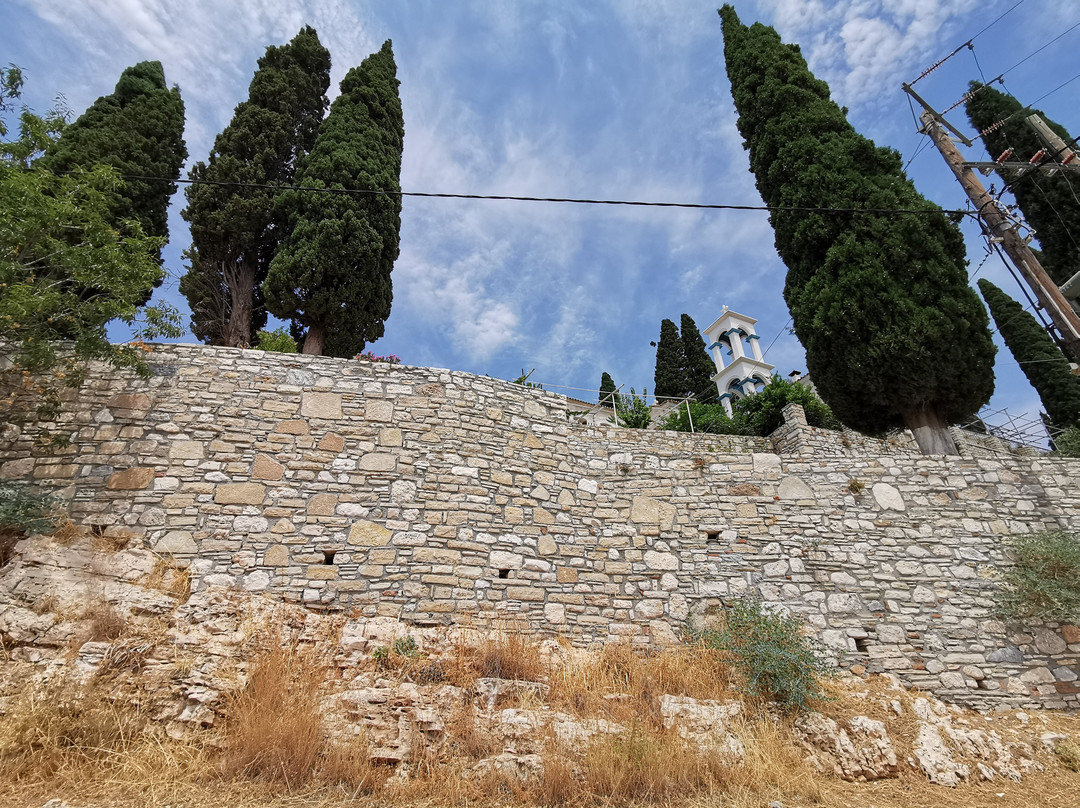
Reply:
x=96, y=744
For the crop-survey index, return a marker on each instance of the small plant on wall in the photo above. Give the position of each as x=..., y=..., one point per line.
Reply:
x=1044, y=581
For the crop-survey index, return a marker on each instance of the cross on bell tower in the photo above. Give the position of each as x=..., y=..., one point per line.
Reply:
x=735, y=349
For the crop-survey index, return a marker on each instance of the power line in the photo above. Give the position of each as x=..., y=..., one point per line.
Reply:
x=571, y=200
x=1044, y=47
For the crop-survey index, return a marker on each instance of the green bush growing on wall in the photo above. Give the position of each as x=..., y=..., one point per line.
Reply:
x=772, y=656
x=277, y=341
x=1044, y=581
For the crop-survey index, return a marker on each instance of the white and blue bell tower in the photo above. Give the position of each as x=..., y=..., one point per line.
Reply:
x=735, y=348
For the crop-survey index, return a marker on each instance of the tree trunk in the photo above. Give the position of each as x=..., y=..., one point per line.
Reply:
x=930, y=431
x=241, y=282
x=313, y=340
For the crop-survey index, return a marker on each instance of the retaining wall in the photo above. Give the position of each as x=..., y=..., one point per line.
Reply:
x=440, y=496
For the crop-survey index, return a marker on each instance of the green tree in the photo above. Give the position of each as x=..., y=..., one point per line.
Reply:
x=763, y=412
x=65, y=271
x=332, y=275
x=670, y=376
x=1049, y=203
x=704, y=417
x=699, y=367
x=139, y=131
x=632, y=411
x=1044, y=365
x=893, y=334
x=235, y=231
x=608, y=396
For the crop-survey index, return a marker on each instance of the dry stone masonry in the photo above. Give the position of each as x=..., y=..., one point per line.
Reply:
x=435, y=497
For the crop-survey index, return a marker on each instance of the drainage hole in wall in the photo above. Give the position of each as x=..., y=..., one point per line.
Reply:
x=328, y=556
x=860, y=645
x=504, y=573
x=712, y=535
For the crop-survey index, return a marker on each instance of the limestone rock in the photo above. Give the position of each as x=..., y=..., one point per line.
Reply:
x=860, y=751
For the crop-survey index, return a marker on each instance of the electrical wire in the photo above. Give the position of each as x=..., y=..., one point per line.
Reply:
x=1044, y=47
x=511, y=198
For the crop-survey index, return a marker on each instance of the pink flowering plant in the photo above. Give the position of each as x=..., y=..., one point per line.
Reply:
x=390, y=359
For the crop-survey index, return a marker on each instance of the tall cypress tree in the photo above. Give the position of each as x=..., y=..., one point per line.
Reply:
x=1049, y=203
x=699, y=367
x=1044, y=365
x=139, y=131
x=332, y=275
x=608, y=396
x=670, y=375
x=235, y=232
x=893, y=334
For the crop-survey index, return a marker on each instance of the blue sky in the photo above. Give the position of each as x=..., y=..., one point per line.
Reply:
x=614, y=99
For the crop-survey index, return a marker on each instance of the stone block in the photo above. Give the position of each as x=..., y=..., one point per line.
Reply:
x=887, y=497
x=555, y=613
x=566, y=575
x=322, y=572
x=379, y=409
x=794, y=488
x=266, y=468
x=129, y=401
x=369, y=534
x=546, y=546
x=1049, y=642
x=134, y=479
x=277, y=556
x=526, y=593
x=17, y=469
x=389, y=436
x=293, y=427
x=332, y=442
x=502, y=560
x=661, y=561
x=322, y=505
x=240, y=494
x=186, y=450
x=649, y=511
x=375, y=461
x=176, y=542
x=321, y=405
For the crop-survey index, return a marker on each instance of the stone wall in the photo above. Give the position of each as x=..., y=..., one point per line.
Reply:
x=438, y=496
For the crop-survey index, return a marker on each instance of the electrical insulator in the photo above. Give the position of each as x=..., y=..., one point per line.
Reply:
x=1039, y=155
x=1005, y=155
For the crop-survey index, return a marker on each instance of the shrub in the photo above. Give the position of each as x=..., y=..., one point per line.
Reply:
x=763, y=412
x=277, y=341
x=1044, y=581
x=22, y=512
x=389, y=359
x=1067, y=443
x=771, y=656
x=632, y=411
x=707, y=418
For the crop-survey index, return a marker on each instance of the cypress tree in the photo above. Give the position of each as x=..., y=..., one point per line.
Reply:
x=1049, y=203
x=670, y=376
x=235, y=232
x=699, y=367
x=332, y=275
x=608, y=396
x=893, y=334
x=1044, y=365
x=139, y=131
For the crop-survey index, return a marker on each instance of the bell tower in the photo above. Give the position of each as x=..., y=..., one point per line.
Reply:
x=735, y=348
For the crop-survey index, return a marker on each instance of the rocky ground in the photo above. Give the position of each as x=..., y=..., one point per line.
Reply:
x=96, y=634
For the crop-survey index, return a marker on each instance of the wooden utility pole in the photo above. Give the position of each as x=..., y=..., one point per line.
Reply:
x=1000, y=226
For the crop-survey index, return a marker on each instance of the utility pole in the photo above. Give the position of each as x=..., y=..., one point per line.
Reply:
x=1001, y=227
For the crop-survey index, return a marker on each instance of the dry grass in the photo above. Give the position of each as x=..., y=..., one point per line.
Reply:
x=102, y=622
x=509, y=656
x=65, y=728
x=621, y=682
x=646, y=766
x=274, y=724
x=169, y=577
x=88, y=745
